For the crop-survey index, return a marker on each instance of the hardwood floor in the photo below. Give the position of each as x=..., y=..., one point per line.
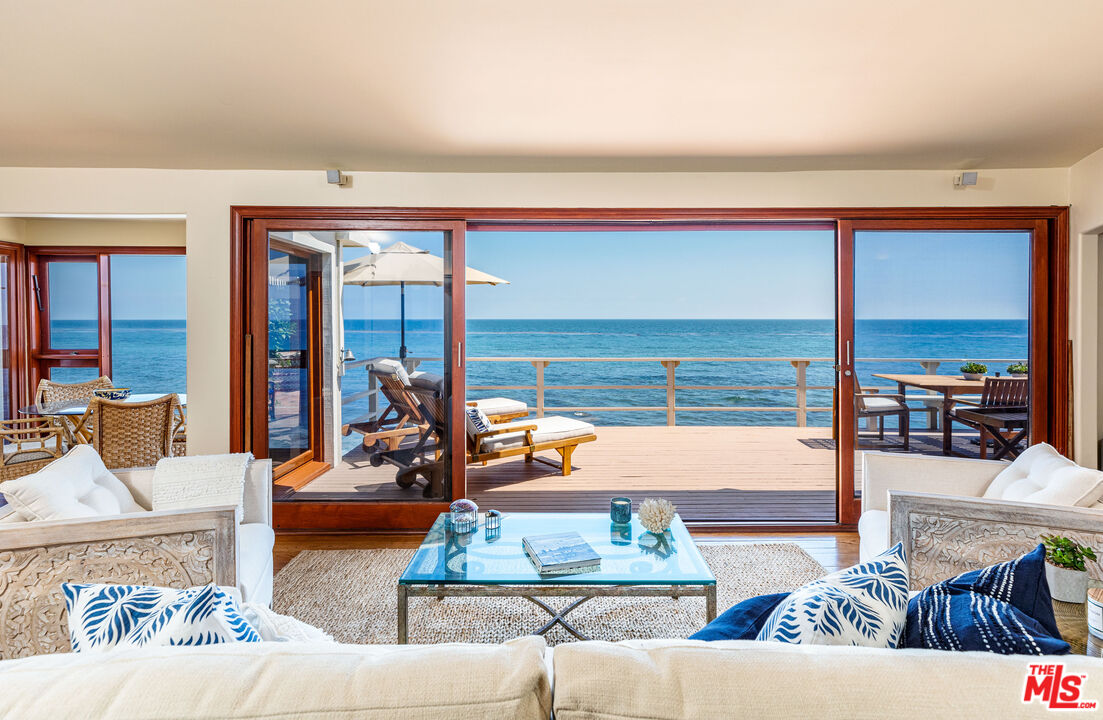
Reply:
x=833, y=550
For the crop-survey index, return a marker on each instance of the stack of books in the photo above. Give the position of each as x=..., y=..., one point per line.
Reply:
x=561, y=553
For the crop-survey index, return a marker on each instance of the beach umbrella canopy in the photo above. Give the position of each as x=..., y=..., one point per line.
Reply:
x=402, y=264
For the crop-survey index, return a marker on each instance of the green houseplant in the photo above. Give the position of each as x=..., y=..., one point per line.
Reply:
x=973, y=370
x=1066, y=570
x=1018, y=369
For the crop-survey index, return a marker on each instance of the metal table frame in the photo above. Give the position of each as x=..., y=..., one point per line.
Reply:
x=532, y=593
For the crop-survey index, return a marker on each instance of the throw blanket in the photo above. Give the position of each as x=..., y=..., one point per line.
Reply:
x=181, y=483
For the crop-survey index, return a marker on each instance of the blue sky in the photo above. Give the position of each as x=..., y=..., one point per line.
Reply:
x=724, y=274
x=143, y=287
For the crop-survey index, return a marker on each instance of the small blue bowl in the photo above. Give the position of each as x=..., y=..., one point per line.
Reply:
x=112, y=393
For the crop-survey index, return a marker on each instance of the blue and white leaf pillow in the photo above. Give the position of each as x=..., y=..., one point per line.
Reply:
x=866, y=605
x=109, y=616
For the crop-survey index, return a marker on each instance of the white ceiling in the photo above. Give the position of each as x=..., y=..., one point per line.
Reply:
x=491, y=85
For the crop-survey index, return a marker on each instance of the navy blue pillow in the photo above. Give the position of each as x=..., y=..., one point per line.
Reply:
x=741, y=621
x=1005, y=609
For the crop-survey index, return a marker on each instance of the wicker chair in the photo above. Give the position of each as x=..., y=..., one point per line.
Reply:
x=180, y=432
x=50, y=391
x=27, y=446
x=132, y=434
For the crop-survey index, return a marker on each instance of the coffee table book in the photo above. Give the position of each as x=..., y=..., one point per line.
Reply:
x=560, y=552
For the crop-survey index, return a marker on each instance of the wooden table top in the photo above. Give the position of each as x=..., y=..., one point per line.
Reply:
x=950, y=384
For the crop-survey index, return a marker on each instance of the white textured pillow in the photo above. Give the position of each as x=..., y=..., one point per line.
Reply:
x=864, y=605
x=77, y=485
x=1042, y=475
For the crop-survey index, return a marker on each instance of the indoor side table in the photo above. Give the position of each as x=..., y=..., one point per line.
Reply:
x=492, y=563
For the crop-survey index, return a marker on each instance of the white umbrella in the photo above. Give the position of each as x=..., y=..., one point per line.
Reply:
x=401, y=264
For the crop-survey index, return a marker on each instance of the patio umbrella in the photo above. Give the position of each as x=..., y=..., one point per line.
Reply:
x=401, y=264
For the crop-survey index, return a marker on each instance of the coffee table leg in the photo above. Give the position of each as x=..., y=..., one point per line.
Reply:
x=710, y=603
x=402, y=605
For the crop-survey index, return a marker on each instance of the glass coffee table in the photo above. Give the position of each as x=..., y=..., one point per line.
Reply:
x=492, y=563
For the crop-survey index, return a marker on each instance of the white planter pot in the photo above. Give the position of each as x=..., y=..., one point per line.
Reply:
x=1018, y=375
x=973, y=376
x=1066, y=585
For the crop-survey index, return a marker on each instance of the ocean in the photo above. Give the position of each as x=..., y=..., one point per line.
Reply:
x=147, y=356
x=958, y=339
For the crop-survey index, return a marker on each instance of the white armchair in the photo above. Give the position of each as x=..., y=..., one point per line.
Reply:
x=172, y=548
x=957, y=514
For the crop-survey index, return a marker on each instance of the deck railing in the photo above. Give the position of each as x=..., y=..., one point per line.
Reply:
x=800, y=366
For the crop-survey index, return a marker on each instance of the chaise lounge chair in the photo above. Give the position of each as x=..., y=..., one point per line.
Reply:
x=403, y=417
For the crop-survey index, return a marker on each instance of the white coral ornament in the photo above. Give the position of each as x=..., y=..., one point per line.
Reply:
x=656, y=514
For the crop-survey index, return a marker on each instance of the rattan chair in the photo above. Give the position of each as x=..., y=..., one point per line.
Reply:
x=180, y=432
x=29, y=444
x=132, y=434
x=49, y=391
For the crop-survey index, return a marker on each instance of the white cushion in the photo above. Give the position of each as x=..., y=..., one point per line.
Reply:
x=873, y=534
x=477, y=421
x=501, y=406
x=273, y=627
x=427, y=380
x=864, y=605
x=880, y=403
x=254, y=562
x=391, y=367
x=77, y=485
x=1042, y=475
x=548, y=429
x=198, y=481
x=102, y=617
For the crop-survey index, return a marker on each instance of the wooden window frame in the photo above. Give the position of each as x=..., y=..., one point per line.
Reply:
x=1049, y=307
x=40, y=355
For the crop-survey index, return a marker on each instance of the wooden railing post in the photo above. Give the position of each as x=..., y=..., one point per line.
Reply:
x=934, y=419
x=671, y=393
x=802, y=391
x=539, y=365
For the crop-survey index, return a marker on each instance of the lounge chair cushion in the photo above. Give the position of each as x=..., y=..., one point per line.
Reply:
x=548, y=429
x=501, y=406
x=427, y=380
x=391, y=367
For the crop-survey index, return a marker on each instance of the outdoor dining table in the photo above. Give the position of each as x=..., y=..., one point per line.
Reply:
x=68, y=409
x=947, y=385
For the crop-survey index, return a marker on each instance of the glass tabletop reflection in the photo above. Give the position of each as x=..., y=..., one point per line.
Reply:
x=629, y=554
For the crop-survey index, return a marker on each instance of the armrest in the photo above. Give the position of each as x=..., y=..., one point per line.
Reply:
x=890, y=396
x=501, y=430
x=257, y=501
x=882, y=472
x=947, y=535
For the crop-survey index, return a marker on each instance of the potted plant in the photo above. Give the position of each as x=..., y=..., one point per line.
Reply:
x=1065, y=571
x=1018, y=369
x=973, y=371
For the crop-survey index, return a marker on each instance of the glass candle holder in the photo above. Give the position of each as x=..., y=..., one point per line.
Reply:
x=493, y=520
x=464, y=516
x=620, y=510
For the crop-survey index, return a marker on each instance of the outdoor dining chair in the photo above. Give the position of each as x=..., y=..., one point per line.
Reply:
x=132, y=434
x=73, y=429
x=880, y=406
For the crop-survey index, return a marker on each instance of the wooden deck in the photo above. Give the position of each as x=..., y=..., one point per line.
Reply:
x=749, y=474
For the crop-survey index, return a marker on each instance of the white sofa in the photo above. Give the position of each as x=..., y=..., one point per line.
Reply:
x=956, y=514
x=521, y=680
x=175, y=548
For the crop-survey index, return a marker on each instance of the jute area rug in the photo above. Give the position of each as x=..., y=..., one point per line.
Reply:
x=351, y=595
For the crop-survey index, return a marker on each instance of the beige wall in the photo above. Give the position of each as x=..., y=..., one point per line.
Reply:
x=1086, y=197
x=107, y=233
x=12, y=229
x=205, y=198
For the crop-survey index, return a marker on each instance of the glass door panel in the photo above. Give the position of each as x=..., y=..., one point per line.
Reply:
x=941, y=343
x=290, y=364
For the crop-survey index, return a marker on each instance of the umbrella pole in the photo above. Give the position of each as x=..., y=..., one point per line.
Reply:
x=402, y=322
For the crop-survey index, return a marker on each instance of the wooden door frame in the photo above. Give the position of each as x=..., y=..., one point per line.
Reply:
x=352, y=515
x=1050, y=358
x=20, y=390
x=1054, y=266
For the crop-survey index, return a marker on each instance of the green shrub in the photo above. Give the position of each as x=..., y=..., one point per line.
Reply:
x=1015, y=368
x=972, y=367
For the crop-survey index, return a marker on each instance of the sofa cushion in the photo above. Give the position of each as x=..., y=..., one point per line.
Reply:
x=254, y=561
x=865, y=604
x=281, y=681
x=1042, y=475
x=76, y=485
x=1004, y=608
x=102, y=617
x=689, y=680
x=741, y=621
x=548, y=429
x=873, y=534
